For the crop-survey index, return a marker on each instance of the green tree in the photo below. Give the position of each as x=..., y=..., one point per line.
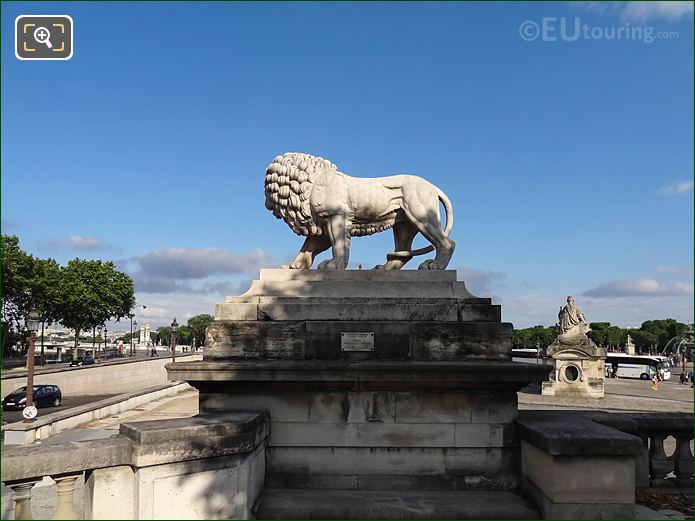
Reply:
x=184, y=335
x=163, y=335
x=46, y=294
x=94, y=292
x=17, y=273
x=198, y=325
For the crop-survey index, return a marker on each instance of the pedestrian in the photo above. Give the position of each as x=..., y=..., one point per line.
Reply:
x=684, y=379
x=655, y=382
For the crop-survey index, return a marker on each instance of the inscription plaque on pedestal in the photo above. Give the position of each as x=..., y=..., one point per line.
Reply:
x=356, y=341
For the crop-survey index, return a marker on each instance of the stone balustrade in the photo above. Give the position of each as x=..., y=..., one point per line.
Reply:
x=587, y=465
x=208, y=466
x=655, y=469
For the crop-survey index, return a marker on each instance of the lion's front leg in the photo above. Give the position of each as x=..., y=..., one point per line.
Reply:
x=313, y=245
x=338, y=230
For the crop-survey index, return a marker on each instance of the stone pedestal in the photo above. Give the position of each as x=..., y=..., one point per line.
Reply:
x=578, y=368
x=374, y=380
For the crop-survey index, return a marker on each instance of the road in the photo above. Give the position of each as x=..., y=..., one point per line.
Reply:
x=68, y=402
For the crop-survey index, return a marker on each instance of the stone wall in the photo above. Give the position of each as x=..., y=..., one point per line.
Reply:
x=95, y=380
x=384, y=439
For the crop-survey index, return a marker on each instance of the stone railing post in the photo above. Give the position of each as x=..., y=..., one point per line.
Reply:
x=66, y=491
x=22, y=499
x=642, y=462
x=683, y=460
x=660, y=465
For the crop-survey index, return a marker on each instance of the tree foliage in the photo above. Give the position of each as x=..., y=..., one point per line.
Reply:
x=82, y=295
x=652, y=334
x=532, y=337
x=198, y=325
x=94, y=292
x=17, y=273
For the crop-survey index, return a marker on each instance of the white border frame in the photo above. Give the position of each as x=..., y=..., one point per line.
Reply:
x=72, y=38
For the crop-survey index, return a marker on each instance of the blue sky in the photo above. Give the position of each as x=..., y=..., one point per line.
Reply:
x=569, y=163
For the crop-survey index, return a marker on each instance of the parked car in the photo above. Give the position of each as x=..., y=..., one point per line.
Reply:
x=44, y=396
x=82, y=360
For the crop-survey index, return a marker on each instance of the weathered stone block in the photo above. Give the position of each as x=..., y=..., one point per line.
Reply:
x=460, y=340
x=110, y=493
x=351, y=407
x=391, y=339
x=356, y=461
x=283, y=341
x=433, y=407
x=472, y=435
x=494, y=408
x=283, y=407
x=579, y=479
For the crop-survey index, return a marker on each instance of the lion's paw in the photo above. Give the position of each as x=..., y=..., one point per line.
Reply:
x=429, y=264
x=329, y=264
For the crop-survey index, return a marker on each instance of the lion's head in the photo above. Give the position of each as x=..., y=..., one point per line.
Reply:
x=288, y=183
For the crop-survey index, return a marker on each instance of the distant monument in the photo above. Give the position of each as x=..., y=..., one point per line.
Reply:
x=579, y=365
x=145, y=339
x=629, y=346
x=329, y=207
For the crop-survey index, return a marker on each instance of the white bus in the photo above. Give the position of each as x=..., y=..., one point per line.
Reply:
x=636, y=366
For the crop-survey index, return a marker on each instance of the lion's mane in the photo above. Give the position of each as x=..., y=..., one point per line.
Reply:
x=288, y=183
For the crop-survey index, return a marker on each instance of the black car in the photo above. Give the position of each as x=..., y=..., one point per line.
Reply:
x=87, y=360
x=44, y=396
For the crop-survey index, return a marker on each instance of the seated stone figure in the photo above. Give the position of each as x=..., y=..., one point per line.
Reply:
x=572, y=321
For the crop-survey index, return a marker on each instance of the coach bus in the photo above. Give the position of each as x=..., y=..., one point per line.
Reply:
x=636, y=366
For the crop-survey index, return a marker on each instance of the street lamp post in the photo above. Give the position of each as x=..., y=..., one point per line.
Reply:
x=131, y=333
x=105, y=339
x=174, y=328
x=32, y=321
x=135, y=330
x=99, y=351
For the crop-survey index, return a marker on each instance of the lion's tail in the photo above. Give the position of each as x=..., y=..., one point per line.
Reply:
x=449, y=222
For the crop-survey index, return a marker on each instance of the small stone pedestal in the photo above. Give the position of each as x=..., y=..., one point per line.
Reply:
x=578, y=368
x=374, y=380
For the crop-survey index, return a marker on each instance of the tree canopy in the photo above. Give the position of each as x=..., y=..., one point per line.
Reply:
x=82, y=295
x=651, y=334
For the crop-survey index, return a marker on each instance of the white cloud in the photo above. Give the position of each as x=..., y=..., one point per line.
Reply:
x=641, y=12
x=192, y=263
x=75, y=242
x=638, y=287
x=682, y=187
x=481, y=282
x=644, y=11
x=675, y=270
x=540, y=309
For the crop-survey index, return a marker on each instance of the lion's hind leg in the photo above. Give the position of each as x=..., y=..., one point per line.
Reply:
x=403, y=234
x=422, y=209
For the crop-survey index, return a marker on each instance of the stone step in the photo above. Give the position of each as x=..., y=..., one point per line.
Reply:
x=311, y=308
x=392, y=504
x=422, y=276
x=358, y=288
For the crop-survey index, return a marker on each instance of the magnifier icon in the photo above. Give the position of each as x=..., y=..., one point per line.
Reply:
x=43, y=35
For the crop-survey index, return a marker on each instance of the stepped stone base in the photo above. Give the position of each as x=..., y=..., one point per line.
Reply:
x=379, y=504
x=421, y=395
x=413, y=315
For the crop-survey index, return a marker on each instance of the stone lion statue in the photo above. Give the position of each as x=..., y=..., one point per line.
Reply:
x=329, y=207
